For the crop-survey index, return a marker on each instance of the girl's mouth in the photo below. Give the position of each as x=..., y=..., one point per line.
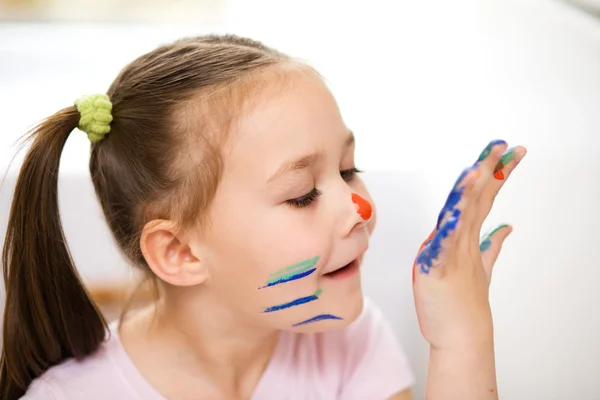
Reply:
x=346, y=270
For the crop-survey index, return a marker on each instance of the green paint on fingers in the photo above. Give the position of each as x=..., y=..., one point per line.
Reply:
x=486, y=240
x=508, y=156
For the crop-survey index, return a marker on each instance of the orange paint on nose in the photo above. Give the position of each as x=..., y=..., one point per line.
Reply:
x=365, y=209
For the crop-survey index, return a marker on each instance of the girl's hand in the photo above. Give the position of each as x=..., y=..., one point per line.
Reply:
x=452, y=271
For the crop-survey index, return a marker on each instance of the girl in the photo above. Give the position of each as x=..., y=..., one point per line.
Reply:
x=226, y=173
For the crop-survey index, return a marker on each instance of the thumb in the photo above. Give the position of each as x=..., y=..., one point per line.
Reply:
x=491, y=244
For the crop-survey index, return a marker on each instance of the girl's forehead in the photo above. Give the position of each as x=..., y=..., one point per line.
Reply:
x=301, y=120
x=302, y=113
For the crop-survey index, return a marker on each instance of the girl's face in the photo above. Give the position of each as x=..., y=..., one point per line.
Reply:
x=286, y=240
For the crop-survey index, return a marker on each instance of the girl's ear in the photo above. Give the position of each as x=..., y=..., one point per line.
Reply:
x=170, y=256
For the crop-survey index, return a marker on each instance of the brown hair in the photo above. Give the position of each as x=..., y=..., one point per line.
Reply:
x=141, y=171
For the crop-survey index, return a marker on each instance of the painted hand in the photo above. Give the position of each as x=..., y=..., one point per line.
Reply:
x=452, y=271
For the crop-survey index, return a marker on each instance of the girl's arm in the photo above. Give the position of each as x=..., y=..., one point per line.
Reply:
x=468, y=374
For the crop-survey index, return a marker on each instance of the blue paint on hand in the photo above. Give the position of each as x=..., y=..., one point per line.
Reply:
x=454, y=196
x=463, y=174
x=432, y=250
x=317, y=318
x=483, y=246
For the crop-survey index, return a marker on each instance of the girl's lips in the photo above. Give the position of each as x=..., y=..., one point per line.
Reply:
x=347, y=270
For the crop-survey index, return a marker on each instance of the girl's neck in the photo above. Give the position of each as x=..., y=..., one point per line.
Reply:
x=188, y=350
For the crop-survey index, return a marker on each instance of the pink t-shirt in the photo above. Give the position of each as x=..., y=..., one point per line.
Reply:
x=363, y=361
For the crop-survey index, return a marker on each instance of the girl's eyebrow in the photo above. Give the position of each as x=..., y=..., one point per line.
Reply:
x=305, y=161
x=295, y=165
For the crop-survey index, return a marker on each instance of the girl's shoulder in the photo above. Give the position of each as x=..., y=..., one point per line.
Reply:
x=363, y=360
x=107, y=373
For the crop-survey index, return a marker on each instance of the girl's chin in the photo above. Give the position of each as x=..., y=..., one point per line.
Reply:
x=337, y=318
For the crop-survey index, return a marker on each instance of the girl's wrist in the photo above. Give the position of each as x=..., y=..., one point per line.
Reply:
x=466, y=340
x=469, y=370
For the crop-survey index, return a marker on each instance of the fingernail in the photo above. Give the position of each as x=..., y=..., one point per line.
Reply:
x=507, y=157
x=488, y=149
x=519, y=157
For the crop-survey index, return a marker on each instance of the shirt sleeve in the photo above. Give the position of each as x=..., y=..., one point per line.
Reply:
x=375, y=367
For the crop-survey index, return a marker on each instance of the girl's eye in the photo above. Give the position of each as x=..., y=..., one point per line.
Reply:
x=349, y=174
x=306, y=200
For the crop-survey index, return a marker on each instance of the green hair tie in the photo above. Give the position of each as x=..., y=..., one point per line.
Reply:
x=95, y=115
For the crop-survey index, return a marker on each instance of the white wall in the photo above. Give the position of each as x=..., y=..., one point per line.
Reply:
x=424, y=86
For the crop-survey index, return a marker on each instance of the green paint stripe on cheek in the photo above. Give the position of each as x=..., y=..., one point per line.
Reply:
x=295, y=268
x=290, y=274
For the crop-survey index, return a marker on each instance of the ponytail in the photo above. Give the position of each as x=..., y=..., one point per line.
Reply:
x=48, y=315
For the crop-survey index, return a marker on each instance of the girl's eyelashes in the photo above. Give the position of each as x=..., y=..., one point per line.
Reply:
x=306, y=200
x=349, y=174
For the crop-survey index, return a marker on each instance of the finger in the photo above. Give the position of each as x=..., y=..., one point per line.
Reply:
x=447, y=240
x=424, y=259
x=486, y=163
x=438, y=249
x=456, y=195
x=488, y=149
x=503, y=169
x=488, y=160
x=511, y=156
x=491, y=244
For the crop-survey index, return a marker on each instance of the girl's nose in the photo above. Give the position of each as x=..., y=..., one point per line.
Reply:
x=364, y=209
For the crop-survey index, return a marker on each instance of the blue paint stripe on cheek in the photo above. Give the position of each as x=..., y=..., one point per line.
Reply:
x=297, y=302
x=289, y=278
x=316, y=319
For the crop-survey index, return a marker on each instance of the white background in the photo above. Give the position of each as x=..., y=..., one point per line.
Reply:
x=424, y=85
